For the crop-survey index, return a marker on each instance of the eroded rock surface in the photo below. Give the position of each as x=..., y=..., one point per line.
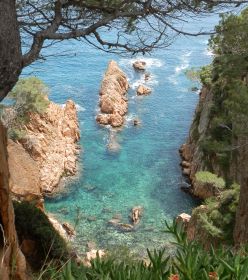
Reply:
x=113, y=101
x=48, y=151
x=139, y=65
x=143, y=90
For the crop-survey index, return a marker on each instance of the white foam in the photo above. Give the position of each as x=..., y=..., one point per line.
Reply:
x=151, y=82
x=188, y=54
x=80, y=108
x=208, y=52
x=130, y=117
x=150, y=62
x=182, y=67
x=173, y=79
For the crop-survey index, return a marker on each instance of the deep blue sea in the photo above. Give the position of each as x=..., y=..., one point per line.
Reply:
x=146, y=169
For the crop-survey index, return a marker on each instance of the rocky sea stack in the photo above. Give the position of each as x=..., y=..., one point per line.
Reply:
x=113, y=100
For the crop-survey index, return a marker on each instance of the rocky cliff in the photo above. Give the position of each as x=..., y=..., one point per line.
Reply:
x=191, y=152
x=113, y=99
x=46, y=153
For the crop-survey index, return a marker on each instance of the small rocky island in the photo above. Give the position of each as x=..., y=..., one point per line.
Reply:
x=113, y=100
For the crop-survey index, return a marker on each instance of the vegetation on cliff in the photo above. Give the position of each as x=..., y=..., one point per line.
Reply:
x=35, y=232
x=218, y=139
x=28, y=96
x=217, y=218
x=189, y=261
x=227, y=79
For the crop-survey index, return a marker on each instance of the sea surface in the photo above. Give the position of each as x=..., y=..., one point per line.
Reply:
x=145, y=171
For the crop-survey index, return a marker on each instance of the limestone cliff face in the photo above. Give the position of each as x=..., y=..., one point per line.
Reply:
x=48, y=151
x=113, y=100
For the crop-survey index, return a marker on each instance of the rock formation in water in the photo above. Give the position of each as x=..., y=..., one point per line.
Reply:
x=139, y=65
x=113, y=100
x=136, y=214
x=143, y=90
x=46, y=153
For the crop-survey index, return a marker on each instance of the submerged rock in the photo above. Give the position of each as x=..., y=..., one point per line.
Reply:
x=89, y=188
x=139, y=65
x=91, y=245
x=91, y=218
x=106, y=210
x=143, y=90
x=125, y=227
x=114, y=222
x=117, y=216
x=113, y=144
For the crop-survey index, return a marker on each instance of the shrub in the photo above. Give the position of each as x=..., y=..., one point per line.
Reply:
x=190, y=261
x=218, y=217
x=208, y=177
x=28, y=96
x=33, y=224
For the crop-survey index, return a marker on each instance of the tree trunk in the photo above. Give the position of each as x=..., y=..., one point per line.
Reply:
x=12, y=265
x=241, y=224
x=10, y=47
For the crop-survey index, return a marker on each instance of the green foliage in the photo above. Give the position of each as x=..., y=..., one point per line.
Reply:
x=28, y=96
x=16, y=134
x=32, y=224
x=31, y=94
x=208, y=177
x=219, y=216
x=190, y=261
x=229, y=86
x=203, y=75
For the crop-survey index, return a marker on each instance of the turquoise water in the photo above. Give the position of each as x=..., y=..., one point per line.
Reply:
x=146, y=169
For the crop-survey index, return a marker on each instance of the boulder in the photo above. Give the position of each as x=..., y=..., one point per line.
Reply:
x=136, y=214
x=186, y=171
x=69, y=229
x=139, y=65
x=102, y=119
x=147, y=76
x=136, y=121
x=183, y=218
x=185, y=164
x=91, y=255
x=143, y=90
x=116, y=120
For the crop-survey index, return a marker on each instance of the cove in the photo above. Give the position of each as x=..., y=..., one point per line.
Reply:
x=146, y=170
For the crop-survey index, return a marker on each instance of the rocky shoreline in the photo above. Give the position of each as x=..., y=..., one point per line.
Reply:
x=47, y=153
